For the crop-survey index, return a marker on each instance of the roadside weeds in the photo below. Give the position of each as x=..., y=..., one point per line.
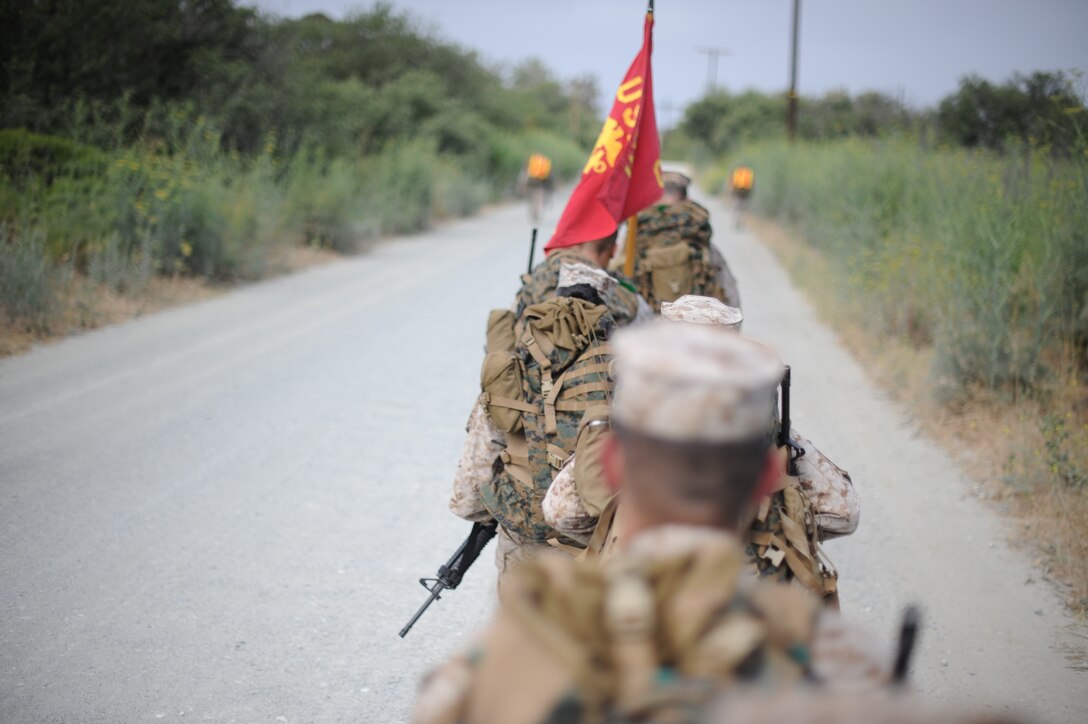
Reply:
x=1026, y=458
x=83, y=304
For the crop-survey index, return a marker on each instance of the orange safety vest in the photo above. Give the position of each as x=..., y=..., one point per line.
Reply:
x=742, y=178
x=540, y=167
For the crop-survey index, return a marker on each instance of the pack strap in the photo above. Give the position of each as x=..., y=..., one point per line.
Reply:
x=601, y=532
x=490, y=400
x=540, y=351
x=578, y=389
x=557, y=456
x=550, y=390
x=629, y=618
x=801, y=569
x=588, y=369
x=509, y=458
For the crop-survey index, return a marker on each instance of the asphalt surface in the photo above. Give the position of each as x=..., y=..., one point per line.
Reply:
x=219, y=512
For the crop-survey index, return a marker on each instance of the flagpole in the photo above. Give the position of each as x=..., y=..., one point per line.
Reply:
x=632, y=221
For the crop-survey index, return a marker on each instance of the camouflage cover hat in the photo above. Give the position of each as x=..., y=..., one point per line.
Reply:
x=701, y=310
x=691, y=383
x=675, y=178
x=573, y=273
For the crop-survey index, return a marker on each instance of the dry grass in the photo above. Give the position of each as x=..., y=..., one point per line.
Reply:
x=85, y=305
x=1002, y=445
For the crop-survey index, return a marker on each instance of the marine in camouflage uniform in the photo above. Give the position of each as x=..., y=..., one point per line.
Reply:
x=784, y=539
x=625, y=304
x=674, y=618
x=478, y=470
x=674, y=252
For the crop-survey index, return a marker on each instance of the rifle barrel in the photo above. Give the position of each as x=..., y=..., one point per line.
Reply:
x=436, y=593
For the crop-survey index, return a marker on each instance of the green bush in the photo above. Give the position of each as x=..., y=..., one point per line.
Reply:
x=26, y=157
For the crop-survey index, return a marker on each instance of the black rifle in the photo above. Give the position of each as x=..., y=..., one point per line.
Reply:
x=908, y=637
x=450, y=575
x=795, y=451
x=532, y=251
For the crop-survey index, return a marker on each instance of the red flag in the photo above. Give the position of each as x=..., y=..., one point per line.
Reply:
x=623, y=174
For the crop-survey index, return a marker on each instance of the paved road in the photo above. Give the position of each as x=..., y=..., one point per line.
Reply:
x=217, y=513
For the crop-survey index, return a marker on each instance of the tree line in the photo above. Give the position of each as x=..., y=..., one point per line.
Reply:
x=1040, y=109
x=348, y=87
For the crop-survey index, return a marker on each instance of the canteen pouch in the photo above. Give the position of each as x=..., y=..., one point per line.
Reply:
x=589, y=479
x=500, y=375
x=670, y=271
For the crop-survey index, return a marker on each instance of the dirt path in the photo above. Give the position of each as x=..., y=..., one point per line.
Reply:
x=994, y=634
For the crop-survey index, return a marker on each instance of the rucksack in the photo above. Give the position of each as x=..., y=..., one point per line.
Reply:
x=563, y=365
x=674, y=256
x=639, y=641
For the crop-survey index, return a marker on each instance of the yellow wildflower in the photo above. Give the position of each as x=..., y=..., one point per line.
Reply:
x=162, y=194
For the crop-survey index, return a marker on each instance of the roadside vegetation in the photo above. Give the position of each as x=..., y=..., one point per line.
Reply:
x=145, y=144
x=950, y=248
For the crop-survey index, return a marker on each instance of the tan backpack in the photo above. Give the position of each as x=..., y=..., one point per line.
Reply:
x=562, y=364
x=640, y=642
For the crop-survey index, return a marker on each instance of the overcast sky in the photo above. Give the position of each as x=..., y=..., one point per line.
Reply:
x=915, y=49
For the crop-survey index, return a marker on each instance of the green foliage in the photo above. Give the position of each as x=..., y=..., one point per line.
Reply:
x=1041, y=109
x=203, y=136
x=985, y=257
x=66, y=49
x=721, y=122
x=25, y=156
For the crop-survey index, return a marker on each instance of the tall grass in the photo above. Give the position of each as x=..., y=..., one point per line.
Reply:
x=175, y=203
x=984, y=257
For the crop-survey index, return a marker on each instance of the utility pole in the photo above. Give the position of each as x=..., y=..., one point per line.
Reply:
x=712, y=66
x=791, y=100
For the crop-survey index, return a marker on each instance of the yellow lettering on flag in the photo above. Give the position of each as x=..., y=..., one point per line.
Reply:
x=607, y=148
x=630, y=91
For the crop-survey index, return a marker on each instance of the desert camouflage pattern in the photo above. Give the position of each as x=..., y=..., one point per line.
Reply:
x=540, y=285
x=694, y=309
x=511, y=550
x=661, y=275
x=483, y=444
x=675, y=178
x=578, y=641
x=575, y=273
x=692, y=383
x=835, y=503
x=820, y=706
x=564, y=509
